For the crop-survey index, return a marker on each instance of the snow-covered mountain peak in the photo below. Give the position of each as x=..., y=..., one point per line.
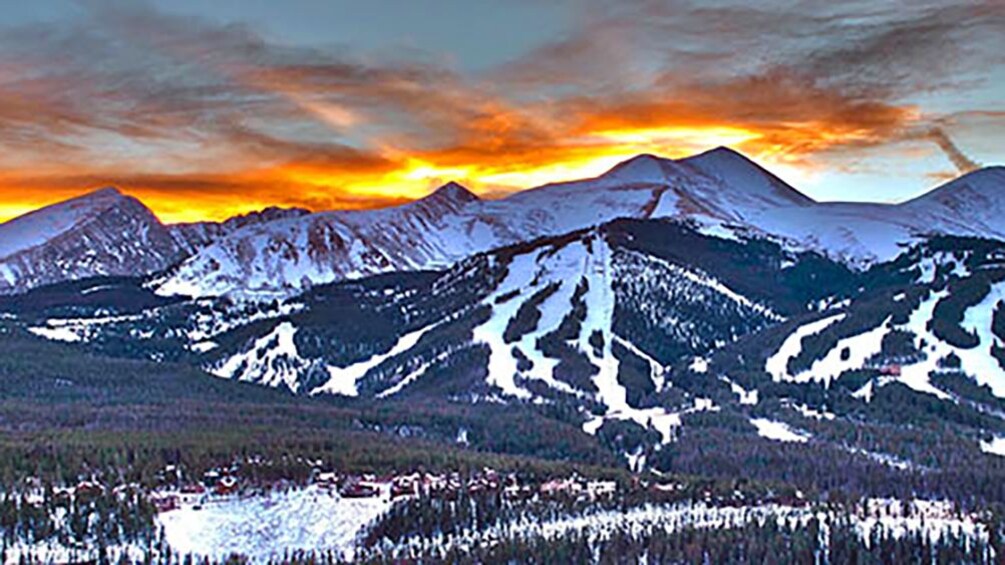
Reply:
x=100, y=233
x=39, y=226
x=103, y=192
x=741, y=174
x=645, y=168
x=453, y=192
x=973, y=203
x=988, y=183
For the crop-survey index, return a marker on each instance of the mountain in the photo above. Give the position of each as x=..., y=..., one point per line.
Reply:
x=195, y=235
x=104, y=233
x=281, y=252
x=451, y=224
x=593, y=320
x=716, y=335
x=101, y=233
x=721, y=190
x=659, y=340
x=975, y=201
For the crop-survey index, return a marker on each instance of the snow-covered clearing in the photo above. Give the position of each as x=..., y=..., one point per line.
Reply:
x=779, y=431
x=996, y=446
x=57, y=334
x=265, y=526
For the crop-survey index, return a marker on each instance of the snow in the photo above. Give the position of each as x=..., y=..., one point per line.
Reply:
x=778, y=431
x=699, y=365
x=205, y=326
x=42, y=225
x=812, y=412
x=859, y=234
x=777, y=364
x=7, y=274
x=342, y=380
x=413, y=376
x=748, y=397
x=722, y=192
x=656, y=369
x=272, y=360
x=52, y=551
x=527, y=274
x=865, y=392
x=928, y=519
x=262, y=527
x=996, y=446
x=502, y=367
x=203, y=346
x=884, y=458
x=916, y=375
x=746, y=177
x=859, y=347
x=56, y=334
x=600, y=318
x=976, y=362
x=931, y=518
x=717, y=286
x=661, y=420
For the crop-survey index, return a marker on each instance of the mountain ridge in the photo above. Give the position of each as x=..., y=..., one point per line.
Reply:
x=720, y=189
x=283, y=251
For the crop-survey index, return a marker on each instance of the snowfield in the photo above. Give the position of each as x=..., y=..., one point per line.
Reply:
x=268, y=526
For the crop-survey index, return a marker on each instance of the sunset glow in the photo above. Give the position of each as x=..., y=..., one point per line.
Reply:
x=202, y=116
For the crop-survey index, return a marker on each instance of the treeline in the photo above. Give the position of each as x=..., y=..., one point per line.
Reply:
x=754, y=543
x=963, y=475
x=838, y=541
x=89, y=521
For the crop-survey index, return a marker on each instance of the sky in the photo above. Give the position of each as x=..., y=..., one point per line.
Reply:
x=204, y=110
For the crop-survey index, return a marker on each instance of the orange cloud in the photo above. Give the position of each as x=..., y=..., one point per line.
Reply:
x=203, y=121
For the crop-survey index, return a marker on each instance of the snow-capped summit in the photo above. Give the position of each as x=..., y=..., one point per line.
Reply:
x=974, y=201
x=645, y=168
x=739, y=173
x=453, y=192
x=193, y=236
x=286, y=251
x=39, y=226
x=103, y=232
x=450, y=198
x=720, y=189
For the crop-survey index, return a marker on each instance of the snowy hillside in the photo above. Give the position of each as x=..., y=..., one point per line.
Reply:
x=592, y=320
x=721, y=190
x=42, y=225
x=104, y=233
x=949, y=320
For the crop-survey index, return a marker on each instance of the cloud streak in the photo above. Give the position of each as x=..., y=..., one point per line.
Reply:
x=205, y=119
